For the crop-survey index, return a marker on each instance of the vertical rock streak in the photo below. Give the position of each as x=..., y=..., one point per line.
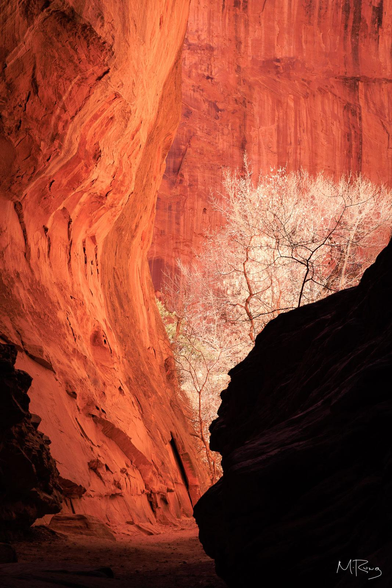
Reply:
x=295, y=84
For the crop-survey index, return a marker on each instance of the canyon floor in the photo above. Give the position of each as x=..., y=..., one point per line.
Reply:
x=171, y=559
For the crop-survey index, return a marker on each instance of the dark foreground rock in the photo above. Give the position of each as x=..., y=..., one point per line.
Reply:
x=7, y=553
x=32, y=576
x=28, y=474
x=305, y=433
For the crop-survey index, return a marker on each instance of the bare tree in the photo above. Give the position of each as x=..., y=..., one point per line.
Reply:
x=203, y=349
x=292, y=239
x=287, y=240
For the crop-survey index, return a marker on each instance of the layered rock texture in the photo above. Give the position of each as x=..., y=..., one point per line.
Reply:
x=90, y=105
x=28, y=475
x=304, y=430
x=294, y=84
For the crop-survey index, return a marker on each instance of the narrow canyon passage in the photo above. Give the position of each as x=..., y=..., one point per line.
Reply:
x=173, y=558
x=95, y=429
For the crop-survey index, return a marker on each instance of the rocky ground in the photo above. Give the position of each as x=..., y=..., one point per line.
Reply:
x=170, y=559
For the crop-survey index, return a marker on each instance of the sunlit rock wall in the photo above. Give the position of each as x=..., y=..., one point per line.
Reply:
x=301, y=83
x=90, y=105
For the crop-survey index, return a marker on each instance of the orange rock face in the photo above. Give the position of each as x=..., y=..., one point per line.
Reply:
x=90, y=107
x=305, y=83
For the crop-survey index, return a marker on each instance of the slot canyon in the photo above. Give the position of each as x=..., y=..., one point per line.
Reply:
x=118, y=119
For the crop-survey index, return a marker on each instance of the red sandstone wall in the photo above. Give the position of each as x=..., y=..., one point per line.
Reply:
x=90, y=107
x=299, y=83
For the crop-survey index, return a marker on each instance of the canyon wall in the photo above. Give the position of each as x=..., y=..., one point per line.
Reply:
x=304, y=431
x=299, y=83
x=90, y=105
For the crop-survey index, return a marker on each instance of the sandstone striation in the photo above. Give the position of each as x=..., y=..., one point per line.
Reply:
x=294, y=84
x=304, y=430
x=90, y=105
x=28, y=475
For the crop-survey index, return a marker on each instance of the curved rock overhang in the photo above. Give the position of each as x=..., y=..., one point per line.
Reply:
x=91, y=103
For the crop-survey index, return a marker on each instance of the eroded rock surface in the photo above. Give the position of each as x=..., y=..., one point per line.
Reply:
x=294, y=83
x=90, y=104
x=304, y=430
x=29, y=478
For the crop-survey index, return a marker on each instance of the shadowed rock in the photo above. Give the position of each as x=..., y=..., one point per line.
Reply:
x=28, y=475
x=7, y=553
x=37, y=576
x=304, y=430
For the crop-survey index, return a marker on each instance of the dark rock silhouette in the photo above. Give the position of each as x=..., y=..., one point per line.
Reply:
x=28, y=475
x=7, y=554
x=304, y=431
